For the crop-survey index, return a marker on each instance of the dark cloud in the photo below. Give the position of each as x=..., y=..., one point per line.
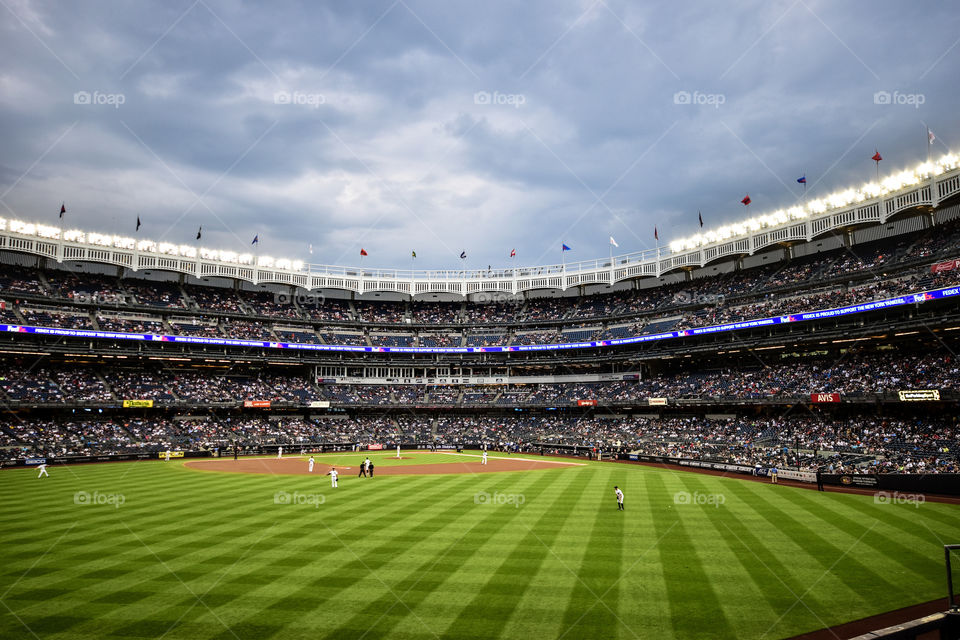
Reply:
x=444, y=127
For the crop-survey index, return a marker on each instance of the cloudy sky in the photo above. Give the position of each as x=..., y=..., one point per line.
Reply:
x=443, y=127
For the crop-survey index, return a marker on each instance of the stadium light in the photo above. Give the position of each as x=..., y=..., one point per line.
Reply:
x=890, y=184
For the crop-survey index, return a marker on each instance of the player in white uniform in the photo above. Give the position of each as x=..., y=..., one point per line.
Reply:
x=43, y=471
x=310, y=465
x=484, y=461
x=279, y=452
x=166, y=458
x=619, y=498
x=398, y=452
x=333, y=477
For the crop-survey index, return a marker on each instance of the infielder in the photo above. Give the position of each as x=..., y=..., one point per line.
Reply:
x=43, y=471
x=279, y=452
x=333, y=477
x=619, y=498
x=484, y=461
x=310, y=465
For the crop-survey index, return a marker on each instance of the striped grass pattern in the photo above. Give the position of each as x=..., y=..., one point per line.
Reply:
x=157, y=550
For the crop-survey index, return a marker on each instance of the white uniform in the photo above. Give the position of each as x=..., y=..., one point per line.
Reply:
x=398, y=452
x=484, y=461
x=310, y=465
x=43, y=471
x=279, y=452
x=166, y=458
x=333, y=478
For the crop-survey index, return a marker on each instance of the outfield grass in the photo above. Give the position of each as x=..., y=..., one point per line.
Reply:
x=210, y=555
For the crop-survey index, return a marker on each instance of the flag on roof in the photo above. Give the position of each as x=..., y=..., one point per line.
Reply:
x=656, y=236
x=199, y=232
x=463, y=255
x=363, y=252
x=413, y=254
x=930, y=137
x=876, y=156
x=700, y=216
x=746, y=200
x=802, y=179
x=63, y=209
x=513, y=253
x=564, y=247
x=256, y=239
x=614, y=242
x=138, y=223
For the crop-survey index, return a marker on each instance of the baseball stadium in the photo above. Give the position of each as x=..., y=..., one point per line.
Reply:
x=748, y=430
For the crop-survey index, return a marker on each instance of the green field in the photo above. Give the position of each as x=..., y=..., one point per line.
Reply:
x=191, y=554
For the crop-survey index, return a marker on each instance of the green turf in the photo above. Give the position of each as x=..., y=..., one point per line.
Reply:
x=210, y=555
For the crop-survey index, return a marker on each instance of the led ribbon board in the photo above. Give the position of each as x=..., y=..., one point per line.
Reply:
x=913, y=298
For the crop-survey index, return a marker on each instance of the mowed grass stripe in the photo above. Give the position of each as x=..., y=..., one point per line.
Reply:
x=748, y=568
x=489, y=613
x=836, y=559
x=308, y=590
x=883, y=541
x=378, y=617
x=593, y=600
x=685, y=578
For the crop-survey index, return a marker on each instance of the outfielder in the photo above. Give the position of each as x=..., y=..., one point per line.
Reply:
x=484, y=461
x=43, y=471
x=279, y=452
x=310, y=465
x=619, y=498
x=333, y=477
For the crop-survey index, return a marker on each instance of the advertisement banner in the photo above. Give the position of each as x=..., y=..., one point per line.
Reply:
x=869, y=481
x=941, y=267
x=319, y=404
x=919, y=395
x=824, y=397
x=173, y=454
x=657, y=402
x=374, y=447
x=35, y=461
x=127, y=404
x=586, y=403
x=801, y=476
x=256, y=403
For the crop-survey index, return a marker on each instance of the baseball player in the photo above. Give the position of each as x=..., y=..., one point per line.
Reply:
x=166, y=458
x=310, y=465
x=279, y=452
x=484, y=460
x=333, y=477
x=43, y=471
x=619, y=493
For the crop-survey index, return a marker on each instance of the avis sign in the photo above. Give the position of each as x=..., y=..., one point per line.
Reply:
x=824, y=397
